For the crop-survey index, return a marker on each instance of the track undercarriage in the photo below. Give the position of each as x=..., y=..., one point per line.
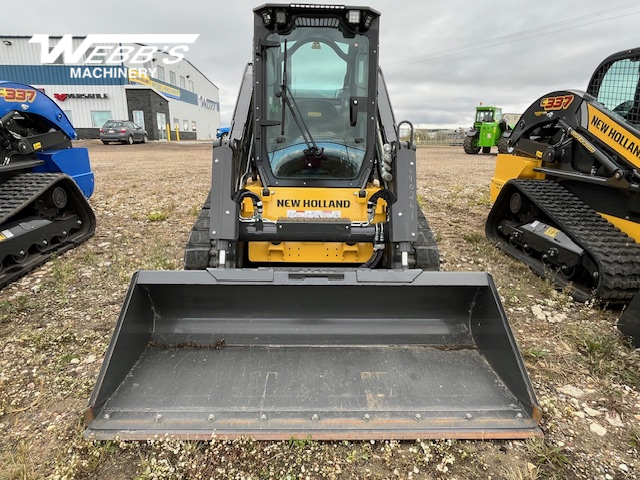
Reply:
x=41, y=215
x=553, y=232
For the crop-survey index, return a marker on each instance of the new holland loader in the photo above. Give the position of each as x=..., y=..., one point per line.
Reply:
x=567, y=197
x=310, y=305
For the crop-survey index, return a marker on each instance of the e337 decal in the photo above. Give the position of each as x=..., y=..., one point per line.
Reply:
x=560, y=102
x=17, y=95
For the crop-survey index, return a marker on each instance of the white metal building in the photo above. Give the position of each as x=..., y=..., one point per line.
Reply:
x=161, y=92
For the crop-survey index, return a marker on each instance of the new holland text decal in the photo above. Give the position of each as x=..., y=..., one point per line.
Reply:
x=614, y=135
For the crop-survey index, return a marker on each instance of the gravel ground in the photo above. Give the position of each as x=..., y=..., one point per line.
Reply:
x=55, y=324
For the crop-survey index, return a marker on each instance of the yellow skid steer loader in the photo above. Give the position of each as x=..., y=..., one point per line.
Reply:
x=310, y=304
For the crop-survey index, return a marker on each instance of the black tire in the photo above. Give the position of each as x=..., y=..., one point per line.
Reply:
x=224, y=135
x=503, y=145
x=470, y=145
x=145, y=139
x=486, y=149
x=129, y=140
x=105, y=142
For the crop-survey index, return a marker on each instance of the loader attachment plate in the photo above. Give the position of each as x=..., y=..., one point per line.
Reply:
x=340, y=355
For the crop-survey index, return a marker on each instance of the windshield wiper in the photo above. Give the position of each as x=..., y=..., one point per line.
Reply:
x=289, y=100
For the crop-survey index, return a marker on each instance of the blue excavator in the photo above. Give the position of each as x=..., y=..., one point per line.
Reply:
x=44, y=182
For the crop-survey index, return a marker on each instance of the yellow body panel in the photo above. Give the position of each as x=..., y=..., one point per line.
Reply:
x=630, y=228
x=314, y=204
x=509, y=167
x=310, y=252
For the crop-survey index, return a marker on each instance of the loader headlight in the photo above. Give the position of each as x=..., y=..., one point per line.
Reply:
x=266, y=18
x=281, y=17
x=353, y=16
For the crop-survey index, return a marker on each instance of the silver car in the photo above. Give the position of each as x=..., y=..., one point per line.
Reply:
x=123, y=131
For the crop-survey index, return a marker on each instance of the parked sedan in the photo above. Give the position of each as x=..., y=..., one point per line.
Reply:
x=123, y=131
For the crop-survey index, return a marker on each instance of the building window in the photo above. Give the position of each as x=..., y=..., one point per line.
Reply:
x=100, y=117
x=160, y=73
x=69, y=115
x=183, y=83
x=138, y=117
x=176, y=124
x=191, y=89
x=185, y=125
x=172, y=77
x=193, y=126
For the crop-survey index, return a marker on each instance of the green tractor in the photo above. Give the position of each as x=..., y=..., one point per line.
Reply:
x=487, y=131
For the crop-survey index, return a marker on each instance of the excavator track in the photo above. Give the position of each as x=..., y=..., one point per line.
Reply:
x=614, y=256
x=41, y=215
x=199, y=253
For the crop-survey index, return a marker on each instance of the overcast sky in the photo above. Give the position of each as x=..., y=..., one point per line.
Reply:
x=440, y=59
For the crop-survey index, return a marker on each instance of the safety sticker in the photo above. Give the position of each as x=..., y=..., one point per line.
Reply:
x=551, y=232
x=313, y=214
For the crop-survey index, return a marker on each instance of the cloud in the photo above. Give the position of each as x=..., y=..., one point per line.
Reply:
x=440, y=59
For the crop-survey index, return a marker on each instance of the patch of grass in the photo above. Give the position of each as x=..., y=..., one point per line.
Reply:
x=551, y=460
x=301, y=442
x=194, y=211
x=62, y=273
x=474, y=238
x=535, y=353
x=599, y=350
x=159, y=258
x=157, y=216
x=634, y=438
x=482, y=200
x=528, y=472
x=18, y=464
x=359, y=454
x=10, y=308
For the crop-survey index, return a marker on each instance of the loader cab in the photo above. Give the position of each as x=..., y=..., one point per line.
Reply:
x=315, y=90
x=616, y=85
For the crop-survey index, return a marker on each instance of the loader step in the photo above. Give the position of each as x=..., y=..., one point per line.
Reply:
x=614, y=254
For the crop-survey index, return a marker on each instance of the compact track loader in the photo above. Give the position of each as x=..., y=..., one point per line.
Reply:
x=44, y=182
x=307, y=308
x=567, y=198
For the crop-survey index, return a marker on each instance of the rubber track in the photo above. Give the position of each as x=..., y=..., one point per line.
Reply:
x=615, y=253
x=198, y=248
x=22, y=190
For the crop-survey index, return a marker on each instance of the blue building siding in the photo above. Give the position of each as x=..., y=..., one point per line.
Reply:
x=77, y=75
x=56, y=75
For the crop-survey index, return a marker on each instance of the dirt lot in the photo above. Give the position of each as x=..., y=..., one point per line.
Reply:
x=55, y=325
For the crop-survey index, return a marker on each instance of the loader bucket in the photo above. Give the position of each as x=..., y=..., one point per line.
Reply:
x=629, y=323
x=359, y=354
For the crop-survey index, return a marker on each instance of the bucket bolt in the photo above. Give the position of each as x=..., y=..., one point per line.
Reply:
x=263, y=418
x=468, y=416
x=366, y=416
x=211, y=417
x=417, y=416
x=158, y=417
x=315, y=417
